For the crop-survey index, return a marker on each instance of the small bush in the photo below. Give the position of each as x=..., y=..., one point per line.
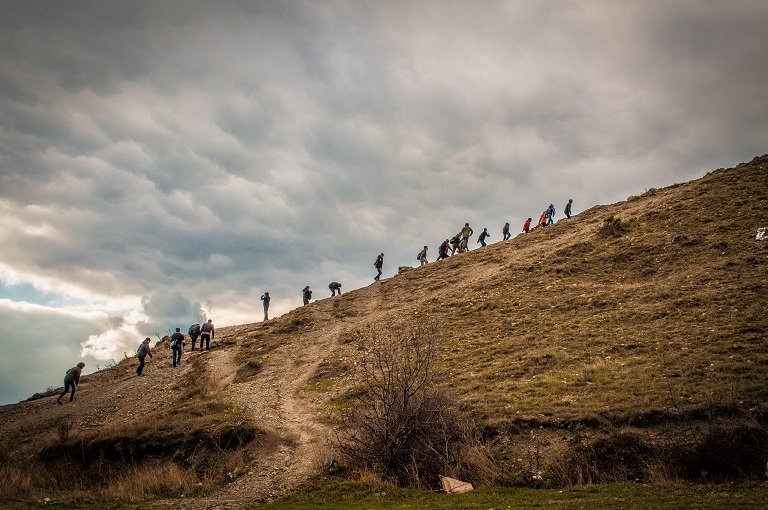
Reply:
x=401, y=426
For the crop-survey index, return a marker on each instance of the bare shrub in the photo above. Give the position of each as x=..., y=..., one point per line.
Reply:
x=403, y=427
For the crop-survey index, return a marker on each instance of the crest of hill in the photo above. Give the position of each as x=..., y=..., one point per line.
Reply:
x=621, y=315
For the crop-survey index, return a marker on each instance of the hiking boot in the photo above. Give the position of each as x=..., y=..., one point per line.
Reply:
x=58, y=401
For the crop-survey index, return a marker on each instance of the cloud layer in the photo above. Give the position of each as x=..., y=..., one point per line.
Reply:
x=164, y=162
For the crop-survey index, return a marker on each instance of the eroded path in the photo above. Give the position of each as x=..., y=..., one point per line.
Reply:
x=277, y=401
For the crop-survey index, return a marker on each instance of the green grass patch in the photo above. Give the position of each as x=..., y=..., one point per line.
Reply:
x=350, y=495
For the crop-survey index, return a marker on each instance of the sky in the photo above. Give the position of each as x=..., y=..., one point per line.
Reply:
x=166, y=162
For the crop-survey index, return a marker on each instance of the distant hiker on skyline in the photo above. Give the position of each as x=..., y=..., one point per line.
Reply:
x=527, y=225
x=445, y=246
x=550, y=214
x=568, y=208
x=543, y=219
x=194, y=332
x=206, y=334
x=71, y=380
x=455, y=240
x=265, y=298
x=466, y=233
x=177, y=347
x=306, y=295
x=505, y=232
x=334, y=287
x=422, y=257
x=143, y=351
x=483, y=235
x=378, y=264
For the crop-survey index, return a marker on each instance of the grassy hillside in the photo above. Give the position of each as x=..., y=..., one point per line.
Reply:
x=638, y=327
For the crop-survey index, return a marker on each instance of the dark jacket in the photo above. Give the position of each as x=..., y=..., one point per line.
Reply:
x=177, y=340
x=73, y=375
x=143, y=350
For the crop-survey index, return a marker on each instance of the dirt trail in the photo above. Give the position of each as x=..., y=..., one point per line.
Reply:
x=276, y=401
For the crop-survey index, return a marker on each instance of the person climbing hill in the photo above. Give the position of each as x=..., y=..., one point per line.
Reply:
x=334, y=287
x=378, y=264
x=527, y=225
x=505, y=231
x=422, y=257
x=71, y=380
x=482, y=237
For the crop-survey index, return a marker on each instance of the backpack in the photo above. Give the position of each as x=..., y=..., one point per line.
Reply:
x=194, y=330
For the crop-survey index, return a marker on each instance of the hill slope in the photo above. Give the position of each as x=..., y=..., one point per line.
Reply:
x=646, y=315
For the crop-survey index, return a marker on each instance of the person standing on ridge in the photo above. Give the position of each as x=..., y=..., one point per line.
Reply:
x=482, y=237
x=206, y=334
x=543, y=218
x=334, y=287
x=378, y=264
x=71, y=380
x=422, y=257
x=194, y=332
x=505, y=232
x=177, y=347
x=527, y=225
x=442, y=251
x=265, y=298
x=143, y=351
x=306, y=295
x=550, y=214
x=466, y=233
x=568, y=208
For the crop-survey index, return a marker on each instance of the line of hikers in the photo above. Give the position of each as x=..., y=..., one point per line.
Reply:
x=458, y=243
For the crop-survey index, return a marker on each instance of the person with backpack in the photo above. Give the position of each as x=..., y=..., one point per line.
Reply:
x=422, y=257
x=71, y=380
x=334, y=287
x=543, y=218
x=550, y=214
x=306, y=295
x=568, y=208
x=442, y=251
x=378, y=264
x=206, y=334
x=265, y=298
x=505, y=231
x=177, y=347
x=455, y=240
x=194, y=332
x=483, y=236
x=142, y=352
x=527, y=225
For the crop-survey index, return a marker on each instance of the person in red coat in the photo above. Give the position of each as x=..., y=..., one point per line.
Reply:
x=527, y=225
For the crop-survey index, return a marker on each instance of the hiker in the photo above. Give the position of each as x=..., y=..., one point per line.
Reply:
x=194, y=332
x=334, y=287
x=505, y=231
x=306, y=295
x=143, y=351
x=543, y=219
x=550, y=214
x=568, y=208
x=378, y=264
x=265, y=298
x=483, y=236
x=466, y=233
x=442, y=251
x=177, y=347
x=455, y=240
x=206, y=334
x=71, y=380
x=527, y=225
x=422, y=257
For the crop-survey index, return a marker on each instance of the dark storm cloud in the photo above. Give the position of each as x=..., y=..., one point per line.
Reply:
x=203, y=153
